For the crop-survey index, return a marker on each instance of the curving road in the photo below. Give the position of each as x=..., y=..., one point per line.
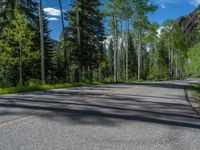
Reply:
x=137, y=116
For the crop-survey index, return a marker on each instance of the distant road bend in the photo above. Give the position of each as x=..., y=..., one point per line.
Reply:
x=135, y=116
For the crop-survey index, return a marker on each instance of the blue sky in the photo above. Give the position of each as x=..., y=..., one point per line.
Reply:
x=171, y=9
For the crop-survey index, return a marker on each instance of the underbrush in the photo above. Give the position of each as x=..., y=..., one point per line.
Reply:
x=41, y=87
x=194, y=92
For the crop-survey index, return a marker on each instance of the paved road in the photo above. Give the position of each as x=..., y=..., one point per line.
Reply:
x=139, y=116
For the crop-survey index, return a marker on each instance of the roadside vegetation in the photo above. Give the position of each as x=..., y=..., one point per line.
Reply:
x=42, y=87
x=96, y=45
x=195, y=92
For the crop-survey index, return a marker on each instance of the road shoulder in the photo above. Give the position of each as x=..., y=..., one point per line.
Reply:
x=193, y=101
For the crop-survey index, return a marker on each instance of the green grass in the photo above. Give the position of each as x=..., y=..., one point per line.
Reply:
x=195, y=90
x=22, y=89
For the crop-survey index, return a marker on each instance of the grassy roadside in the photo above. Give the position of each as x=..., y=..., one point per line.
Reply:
x=22, y=89
x=19, y=89
x=40, y=87
x=194, y=92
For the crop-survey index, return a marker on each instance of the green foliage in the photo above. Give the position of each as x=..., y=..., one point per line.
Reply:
x=43, y=87
x=132, y=58
x=192, y=66
x=87, y=56
x=172, y=49
x=171, y=54
x=17, y=38
x=195, y=90
x=50, y=64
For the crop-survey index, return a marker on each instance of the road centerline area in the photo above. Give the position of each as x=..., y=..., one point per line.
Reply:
x=12, y=121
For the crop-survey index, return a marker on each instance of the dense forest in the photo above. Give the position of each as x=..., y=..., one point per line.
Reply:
x=133, y=49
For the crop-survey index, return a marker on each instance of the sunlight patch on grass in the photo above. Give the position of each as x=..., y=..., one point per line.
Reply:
x=42, y=87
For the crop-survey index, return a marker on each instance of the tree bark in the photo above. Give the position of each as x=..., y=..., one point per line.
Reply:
x=176, y=65
x=41, y=41
x=172, y=59
x=127, y=48
x=115, y=48
x=78, y=39
x=20, y=66
x=139, y=53
x=169, y=59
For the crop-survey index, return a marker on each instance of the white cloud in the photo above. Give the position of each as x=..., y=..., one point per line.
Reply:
x=163, y=6
x=195, y=2
x=52, y=11
x=159, y=31
x=163, y=3
x=52, y=19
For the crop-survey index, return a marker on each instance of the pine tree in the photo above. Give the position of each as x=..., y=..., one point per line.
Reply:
x=27, y=6
x=49, y=52
x=132, y=60
x=86, y=55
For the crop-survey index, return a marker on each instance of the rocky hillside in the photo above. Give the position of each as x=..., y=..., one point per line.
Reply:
x=189, y=26
x=189, y=22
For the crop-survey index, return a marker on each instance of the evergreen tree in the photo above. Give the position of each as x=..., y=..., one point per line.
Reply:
x=49, y=52
x=28, y=7
x=86, y=57
x=132, y=60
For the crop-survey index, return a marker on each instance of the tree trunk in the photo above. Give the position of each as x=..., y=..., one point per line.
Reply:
x=122, y=64
x=42, y=41
x=176, y=65
x=139, y=54
x=169, y=65
x=99, y=74
x=127, y=48
x=172, y=60
x=78, y=39
x=115, y=48
x=20, y=66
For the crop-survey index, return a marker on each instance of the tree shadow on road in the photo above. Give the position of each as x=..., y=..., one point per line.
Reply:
x=84, y=108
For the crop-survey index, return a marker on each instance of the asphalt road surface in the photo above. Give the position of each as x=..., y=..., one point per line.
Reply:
x=137, y=116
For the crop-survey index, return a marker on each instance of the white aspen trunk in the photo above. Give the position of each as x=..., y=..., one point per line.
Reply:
x=176, y=65
x=172, y=62
x=169, y=57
